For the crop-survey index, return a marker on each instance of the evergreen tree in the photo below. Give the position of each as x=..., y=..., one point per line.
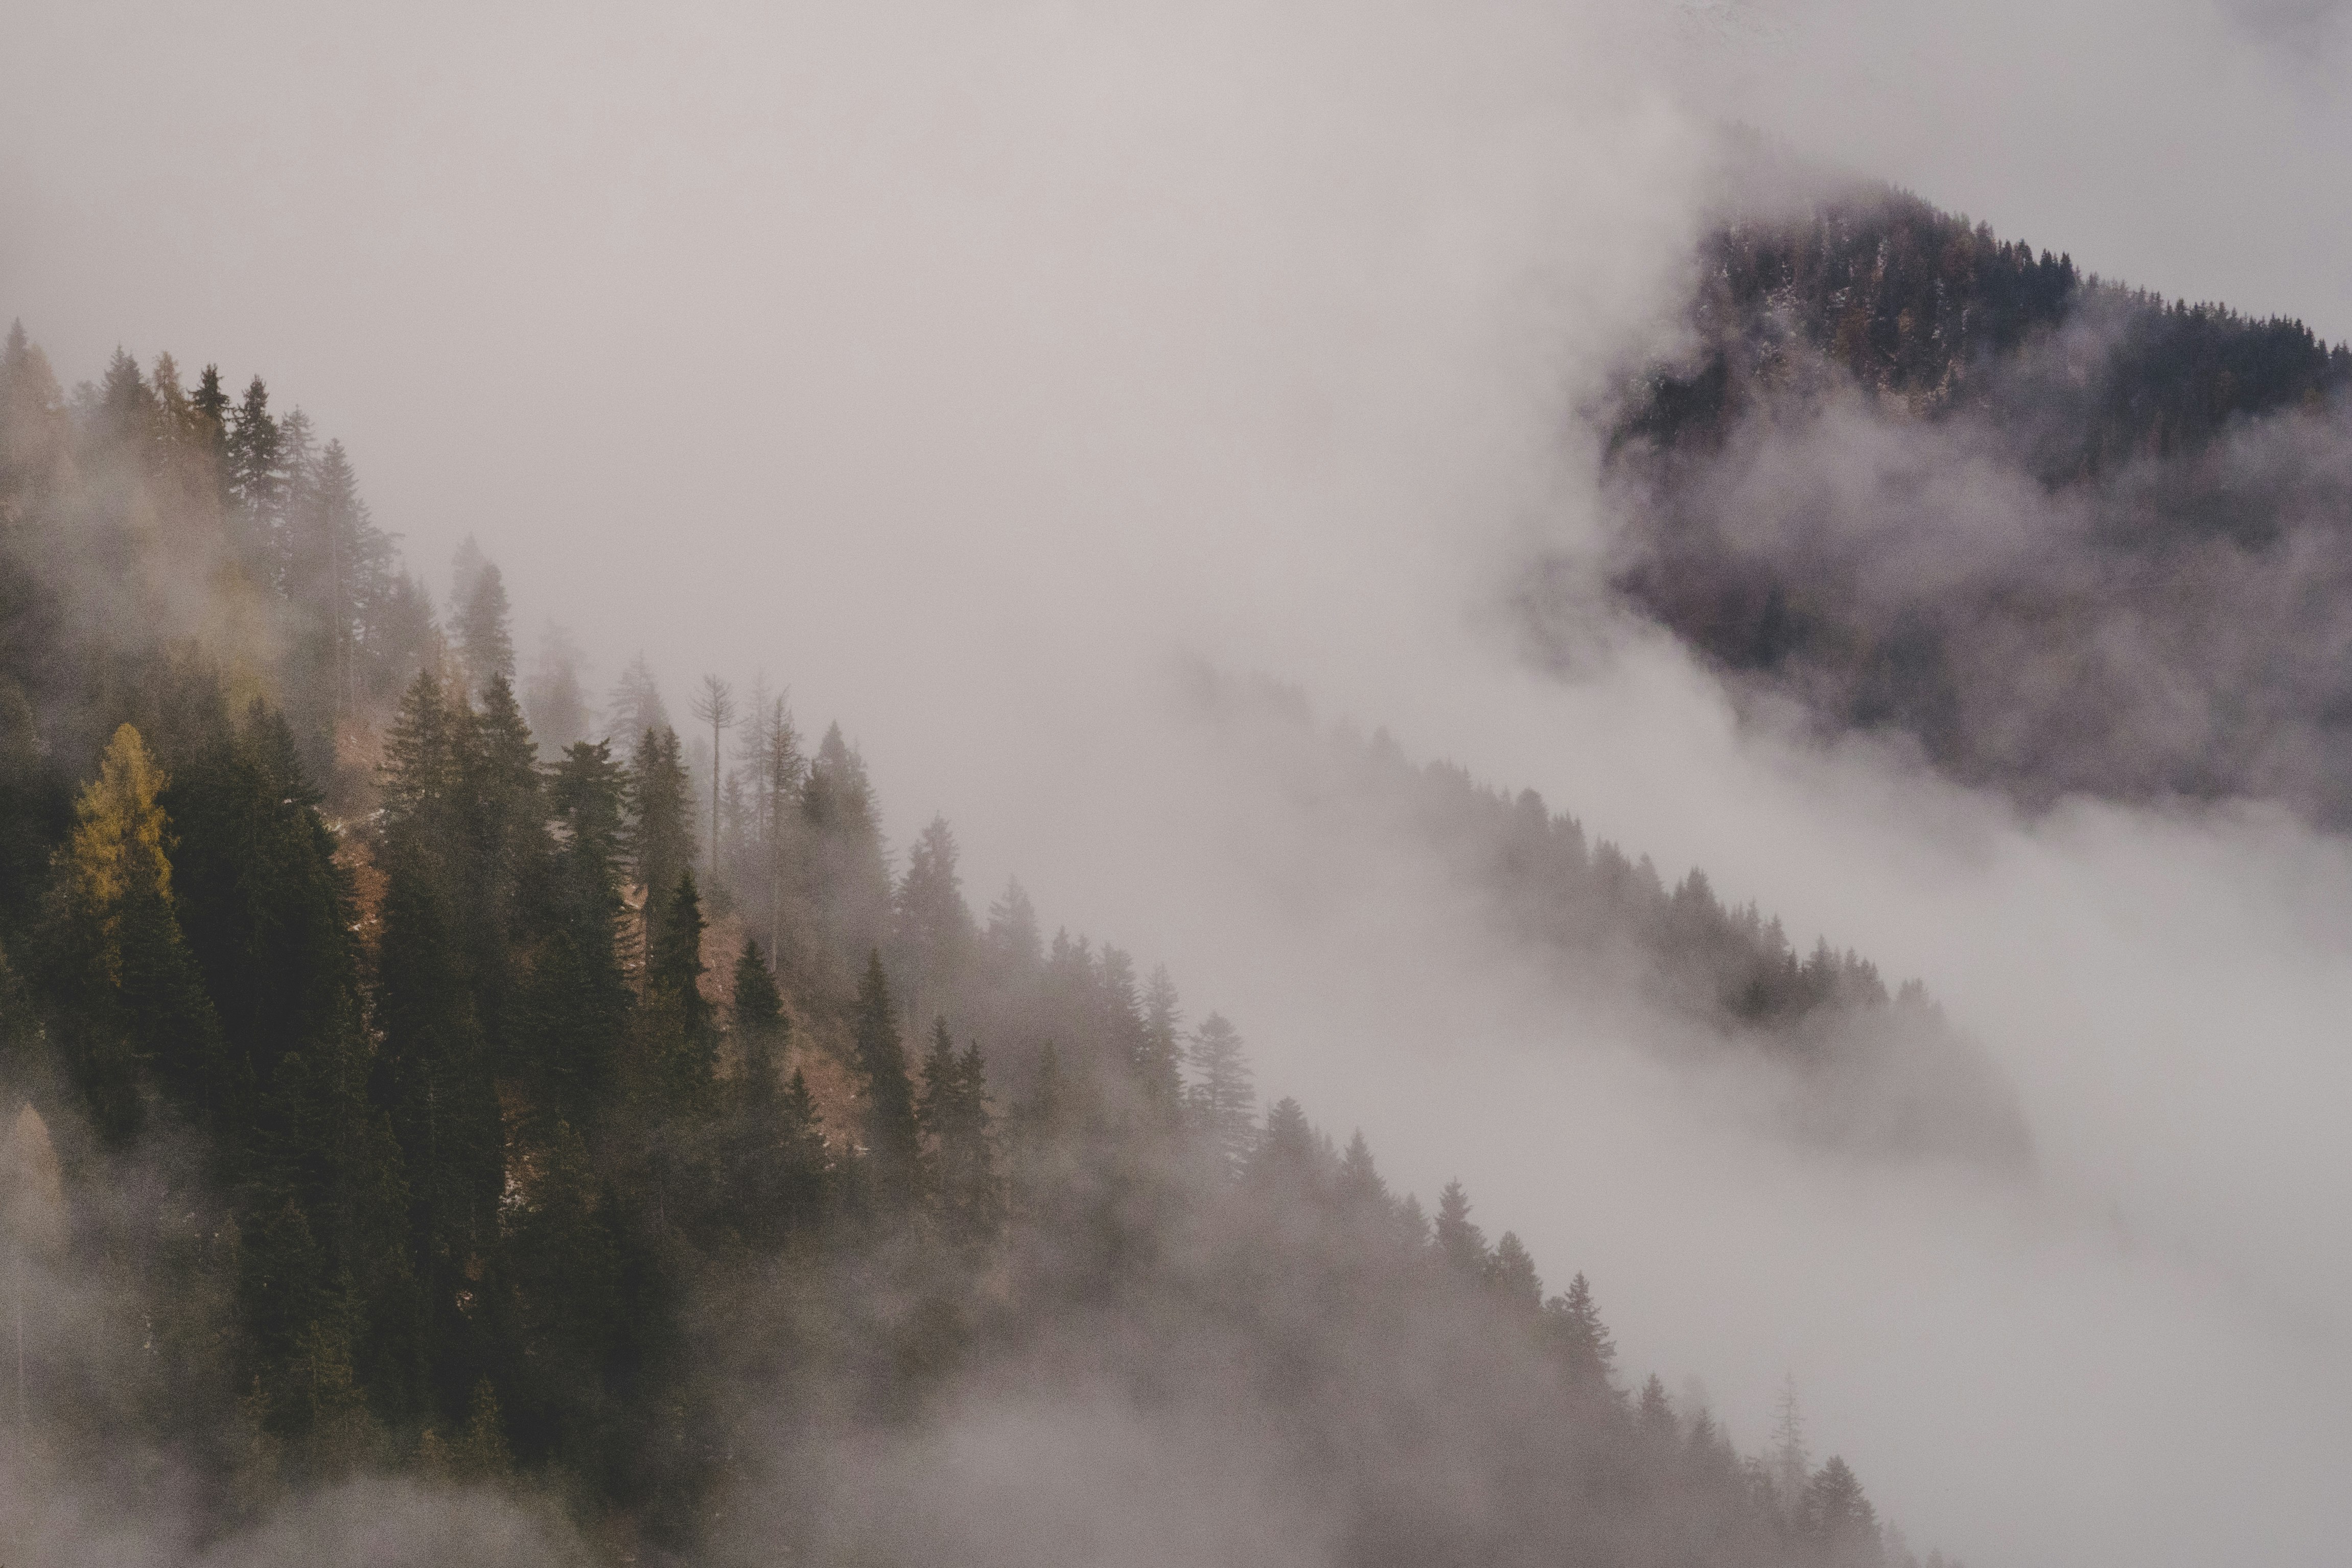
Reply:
x=1460, y=1243
x=1284, y=1157
x=635, y=705
x=1655, y=1414
x=1587, y=1354
x=256, y=472
x=553, y=698
x=1223, y=1104
x=892, y=1142
x=681, y=1032
x=933, y=932
x=432, y=1071
x=1839, y=1521
x=571, y=1014
x=851, y=876
x=208, y=423
x=661, y=826
x=1160, y=1051
x=1013, y=938
x=1512, y=1273
x=953, y=1112
x=1360, y=1184
x=481, y=621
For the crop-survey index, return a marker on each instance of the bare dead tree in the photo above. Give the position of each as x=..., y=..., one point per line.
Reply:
x=715, y=708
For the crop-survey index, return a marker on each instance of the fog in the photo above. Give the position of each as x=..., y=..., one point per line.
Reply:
x=971, y=371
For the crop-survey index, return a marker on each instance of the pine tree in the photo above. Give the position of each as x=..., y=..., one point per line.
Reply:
x=682, y=1034
x=1360, y=1185
x=1512, y=1273
x=1224, y=1105
x=1014, y=939
x=851, y=883
x=635, y=703
x=433, y=1073
x=481, y=622
x=892, y=1143
x=1284, y=1159
x=1160, y=1053
x=1839, y=1521
x=661, y=828
x=1655, y=1414
x=572, y=1013
x=256, y=472
x=1588, y=1355
x=553, y=698
x=953, y=1112
x=933, y=926
x=1460, y=1243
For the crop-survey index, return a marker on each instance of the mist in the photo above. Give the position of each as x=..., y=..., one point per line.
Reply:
x=976, y=372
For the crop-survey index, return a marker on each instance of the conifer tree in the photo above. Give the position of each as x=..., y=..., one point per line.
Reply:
x=1160, y=1051
x=1512, y=1273
x=1013, y=938
x=1655, y=1414
x=952, y=1111
x=570, y=1015
x=892, y=1142
x=1838, y=1519
x=481, y=622
x=1460, y=1243
x=1223, y=1103
x=256, y=472
x=932, y=925
x=1587, y=1354
x=208, y=415
x=1284, y=1158
x=1360, y=1184
x=635, y=703
x=681, y=1033
x=661, y=826
x=851, y=878
x=553, y=698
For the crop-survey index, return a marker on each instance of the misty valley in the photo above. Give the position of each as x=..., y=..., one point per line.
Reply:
x=463, y=1102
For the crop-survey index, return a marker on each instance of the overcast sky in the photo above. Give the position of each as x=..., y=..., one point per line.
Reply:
x=960, y=365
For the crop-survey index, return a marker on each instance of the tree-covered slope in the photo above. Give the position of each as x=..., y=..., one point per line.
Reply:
x=2060, y=535
x=393, y=1090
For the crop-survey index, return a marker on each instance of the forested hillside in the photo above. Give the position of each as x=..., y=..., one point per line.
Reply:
x=2059, y=534
x=1859, y=1065
x=393, y=1088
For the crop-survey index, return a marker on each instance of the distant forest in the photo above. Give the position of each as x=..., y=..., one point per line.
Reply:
x=404, y=1074
x=2058, y=535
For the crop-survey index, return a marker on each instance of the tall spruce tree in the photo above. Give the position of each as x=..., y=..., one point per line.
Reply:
x=661, y=821
x=681, y=1030
x=892, y=1140
x=1223, y=1104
